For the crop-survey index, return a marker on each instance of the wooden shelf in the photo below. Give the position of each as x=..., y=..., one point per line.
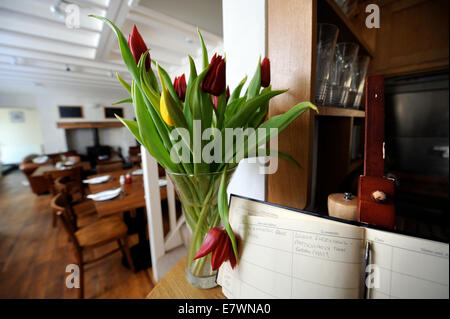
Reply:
x=339, y=111
x=330, y=12
x=76, y=125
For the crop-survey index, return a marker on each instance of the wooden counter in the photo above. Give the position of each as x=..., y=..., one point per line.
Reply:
x=175, y=286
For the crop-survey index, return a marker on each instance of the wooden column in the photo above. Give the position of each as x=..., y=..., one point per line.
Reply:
x=291, y=47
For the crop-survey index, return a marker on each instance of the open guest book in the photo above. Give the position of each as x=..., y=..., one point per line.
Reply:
x=285, y=253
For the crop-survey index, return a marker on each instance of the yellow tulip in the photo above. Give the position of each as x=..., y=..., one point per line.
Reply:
x=165, y=95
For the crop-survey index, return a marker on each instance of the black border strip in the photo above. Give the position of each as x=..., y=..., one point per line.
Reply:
x=365, y=225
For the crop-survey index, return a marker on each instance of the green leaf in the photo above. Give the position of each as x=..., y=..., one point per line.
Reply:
x=284, y=120
x=274, y=153
x=149, y=133
x=222, y=202
x=202, y=110
x=241, y=117
x=204, y=51
x=261, y=113
x=164, y=76
x=128, y=100
x=132, y=126
x=125, y=84
x=259, y=116
x=146, y=85
x=127, y=56
x=153, y=81
x=187, y=108
x=279, y=122
x=237, y=91
x=175, y=112
x=221, y=108
x=233, y=107
x=255, y=83
x=192, y=70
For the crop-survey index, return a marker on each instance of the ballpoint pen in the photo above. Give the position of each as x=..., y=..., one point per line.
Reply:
x=366, y=258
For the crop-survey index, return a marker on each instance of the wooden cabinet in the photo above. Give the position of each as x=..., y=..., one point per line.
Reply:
x=321, y=142
x=413, y=37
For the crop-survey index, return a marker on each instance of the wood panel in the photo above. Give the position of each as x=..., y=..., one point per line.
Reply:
x=291, y=47
x=75, y=125
x=34, y=255
x=351, y=28
x=333, y=159
x=413, y=37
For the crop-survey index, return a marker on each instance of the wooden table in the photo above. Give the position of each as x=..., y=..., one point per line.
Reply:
x=110, y=160
x=132, y=199
x=48, y=168
x=175, y=286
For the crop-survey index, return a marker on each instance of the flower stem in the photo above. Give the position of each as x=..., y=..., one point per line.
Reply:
x=199, y=226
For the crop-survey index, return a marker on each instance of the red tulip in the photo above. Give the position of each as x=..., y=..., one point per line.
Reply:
x=214, y=81
x=265, y=72
x=138, y=47
x=216, y=98
x=218, y=242
x=179, y=84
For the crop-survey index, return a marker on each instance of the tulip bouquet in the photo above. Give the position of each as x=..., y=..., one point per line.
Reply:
x=182, y=122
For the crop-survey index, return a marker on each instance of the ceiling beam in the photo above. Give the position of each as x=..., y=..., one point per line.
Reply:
x=60, y=58
x=41, y=9
x=154, y=38
x=160, y=55
x=28, y=70
x=58, y=81
x=168, y=21
x=46, y=45
x=117, y=13
x=15, y=22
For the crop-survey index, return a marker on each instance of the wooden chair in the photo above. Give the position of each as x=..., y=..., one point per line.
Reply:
x=134, y=155
x=104, y=168
x=79, y=207
x=74, y=174
x=97, y=234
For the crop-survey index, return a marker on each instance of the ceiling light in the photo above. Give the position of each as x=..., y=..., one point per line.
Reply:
x=18, y=61
x=58, y=9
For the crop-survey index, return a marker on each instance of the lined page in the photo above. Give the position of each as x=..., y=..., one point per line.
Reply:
x=408, y=267
x=285, y=254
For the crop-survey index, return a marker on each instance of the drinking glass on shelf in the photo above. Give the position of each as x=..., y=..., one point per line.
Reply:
x=359, y=72
x=347, y=6
x=326, y=41
x=341, y=75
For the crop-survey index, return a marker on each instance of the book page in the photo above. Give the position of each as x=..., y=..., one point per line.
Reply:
x=286, y=254
x=408, y=267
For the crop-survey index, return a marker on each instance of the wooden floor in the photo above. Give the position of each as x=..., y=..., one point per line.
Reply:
x=34, y=255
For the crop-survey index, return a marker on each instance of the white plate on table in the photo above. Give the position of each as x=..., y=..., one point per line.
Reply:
x=98, y=179
x=137, y=172
x=105, y=195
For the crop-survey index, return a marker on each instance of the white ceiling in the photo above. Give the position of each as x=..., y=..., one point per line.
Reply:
x=37, y=48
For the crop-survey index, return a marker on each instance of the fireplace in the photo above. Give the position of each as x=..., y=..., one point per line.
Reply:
x=97, y=150
x=84, y=137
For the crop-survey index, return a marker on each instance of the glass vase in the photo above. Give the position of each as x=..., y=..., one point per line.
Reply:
x=198, y=196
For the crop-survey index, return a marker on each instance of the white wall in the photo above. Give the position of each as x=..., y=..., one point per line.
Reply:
x=18, y=140
x=46, y=100
x=244, y=32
